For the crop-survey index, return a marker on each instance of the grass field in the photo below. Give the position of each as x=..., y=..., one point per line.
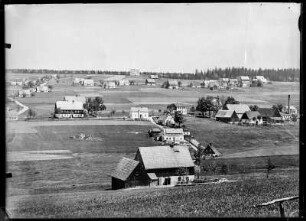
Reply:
x=235, y=199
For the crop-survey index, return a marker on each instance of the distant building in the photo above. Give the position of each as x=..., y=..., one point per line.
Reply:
x=139, y=113
x=75, y=98
x=244, y=81
x=166, y=119
x=261, y=78
x=213, y=84
x=150, y=82
x=223, y=82
x=270, y=116
x=154, y=76
x=233, y=82
x=42, y=88
x=293, y=110
x=175, y=135
x=227, y=116
x=154, y=166
x=24, y=93
x=240, y=109
x=134, y=72
x=211, y=151
x=88, y=82
x=69, y=109
x=78, y=81
x=183, y=108
x=11, y=114
x=252, y=117
x=110, y=84
x=173, y=84
x=124, y=82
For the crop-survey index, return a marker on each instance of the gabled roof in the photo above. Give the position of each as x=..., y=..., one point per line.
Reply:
x=152, y=176
x=250, y=115
x=67, y=105
x=267, y=112
x=238, y=108
x=225, y=113
x=244, y=78
x=141, y=109
x=174, y=131
x=124, y=168
x=159, y=157
x=213, y=149
x=75, y=98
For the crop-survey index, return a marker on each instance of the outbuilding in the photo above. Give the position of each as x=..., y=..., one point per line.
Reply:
x=240, y=109
x=251, y=117
x=139, y=113
x=175, y=135
x=227, y=116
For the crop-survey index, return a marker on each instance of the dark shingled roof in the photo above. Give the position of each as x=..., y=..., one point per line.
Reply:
x=268, y=112
x=124, y=168
x=250, y=115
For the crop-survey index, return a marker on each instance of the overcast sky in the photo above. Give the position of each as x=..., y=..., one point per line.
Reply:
x=153, y=37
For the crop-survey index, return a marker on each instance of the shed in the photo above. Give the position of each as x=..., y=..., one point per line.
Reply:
x=252, y=117
x=211, y=151
x=227, y=116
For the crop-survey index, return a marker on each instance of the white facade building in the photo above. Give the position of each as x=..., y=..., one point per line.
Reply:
x=139, y=113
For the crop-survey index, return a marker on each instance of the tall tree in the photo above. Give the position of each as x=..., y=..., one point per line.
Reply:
x=206, y=104
x=179, y=118
x=230, y=100
x=171, y=107
x=254, y=107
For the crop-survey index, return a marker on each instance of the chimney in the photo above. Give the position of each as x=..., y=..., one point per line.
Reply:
x=288, y=110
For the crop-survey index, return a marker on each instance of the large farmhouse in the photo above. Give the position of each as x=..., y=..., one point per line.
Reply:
x=154, y=166
x=139, y=113
x=173, y=135
x=67, y=109
x=240, y=109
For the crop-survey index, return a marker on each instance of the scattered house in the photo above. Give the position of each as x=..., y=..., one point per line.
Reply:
x=211, y=151
x=54, y=76
x=75, y=98
x=150, y=82
x=24, y=93
x=244, y=81
x=173, y=84
x=154, y=166
x=240, y=109
x=69, y=109
x=186, y=132
x=88, y=82
x=166, y=120
x=269, y=115
x=154, y=76
x=261, y=78
x=227, y=116
x=78, y=81
x=134, y=72
x=124, y=82
x=223, y=82
x=213, y=84
x=17, y=82
x=175, y=135
x=42, y=88
x=252, y=117
x=205, y=84
x=233, y=82
x=110, y=84
x=139, y=113
x=183, y=108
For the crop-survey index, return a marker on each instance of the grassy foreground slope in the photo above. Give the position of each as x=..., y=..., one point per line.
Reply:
x=235, y=199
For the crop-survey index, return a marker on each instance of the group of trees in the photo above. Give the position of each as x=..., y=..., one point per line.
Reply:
x=178, y=116
x=288, y=74
x=93, y=105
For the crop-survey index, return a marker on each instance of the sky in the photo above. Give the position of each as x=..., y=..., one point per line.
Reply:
x=176, y=37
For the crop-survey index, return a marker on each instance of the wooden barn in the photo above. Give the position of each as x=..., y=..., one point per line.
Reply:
x=252, y=117
x=227, y=116
x=269, y=115
x=211, y=151
x=154, y=166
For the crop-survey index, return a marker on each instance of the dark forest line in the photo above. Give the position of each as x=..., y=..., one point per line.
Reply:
x=288, y=74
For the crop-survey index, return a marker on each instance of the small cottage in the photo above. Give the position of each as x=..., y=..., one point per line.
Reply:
x=154, y=76
x=244, y=81
x=88, y=82
x=183, y=108
x=227, y=116
x=251, y=117
x=139, y=113
x=173, y=84
x=110, y=84
x=240, y=109
x=211, y=151
x=175, y=135
x=24, y=93
x=150, y=82
x=42, y=88
x=261, y=78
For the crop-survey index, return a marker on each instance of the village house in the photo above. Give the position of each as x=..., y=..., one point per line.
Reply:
x=205, y=84
x=11, y=114
x=240, y=109
x=211, y=152
x=213, y=84
x=24, y=93
x=75, y=98
x=183, y=108
x=88, y=82
x=154, y=166
x=154, y=76
x=166, y=120
x=42, y=88
x=233, y=82
x=244, y=81
x=139, y=113
x=134, y=72
x=270, y=116
x=110, y=84
x=261, y=78
x=227, y=116
x=173, y=84
x=223, y=82
x=252, y=117
x=175, y=135
x=293, y=110
x=68, y=109
x=78, y=81
x=17, y=82
x=124, y=82
x=150, y=82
